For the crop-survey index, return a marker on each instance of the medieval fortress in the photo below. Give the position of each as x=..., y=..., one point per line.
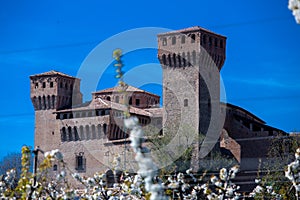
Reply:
x=90, y=134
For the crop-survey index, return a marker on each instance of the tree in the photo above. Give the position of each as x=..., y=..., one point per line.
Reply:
x=11, y=161
x=281, y=152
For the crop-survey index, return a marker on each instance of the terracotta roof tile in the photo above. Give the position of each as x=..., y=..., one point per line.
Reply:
x=118, y=89
x=51, y=73
x=99, y=103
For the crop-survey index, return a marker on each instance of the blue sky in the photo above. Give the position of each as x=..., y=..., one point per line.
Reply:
x=261, y=72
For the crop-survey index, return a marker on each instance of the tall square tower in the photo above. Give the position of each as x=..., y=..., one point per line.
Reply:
x=191, y=60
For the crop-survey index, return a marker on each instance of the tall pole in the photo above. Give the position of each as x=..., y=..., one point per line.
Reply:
x=125, y=150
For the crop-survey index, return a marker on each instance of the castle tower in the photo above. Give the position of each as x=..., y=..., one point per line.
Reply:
x=191, y=60
x=49, y=92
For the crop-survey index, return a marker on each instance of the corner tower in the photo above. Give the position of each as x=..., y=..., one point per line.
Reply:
x=191, y=60
x=49, y=92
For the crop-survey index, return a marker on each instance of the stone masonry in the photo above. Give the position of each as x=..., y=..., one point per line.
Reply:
x=90, y=134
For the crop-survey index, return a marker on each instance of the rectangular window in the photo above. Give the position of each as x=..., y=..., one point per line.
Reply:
x=44, y=85
x=173, y=40
x=164, y=42
x=183, y=39
x=80, y=164
x=185, y=103
x=193, y=38
x=137, y=102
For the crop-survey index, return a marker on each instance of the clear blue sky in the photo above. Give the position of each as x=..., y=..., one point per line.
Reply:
x=261, y=72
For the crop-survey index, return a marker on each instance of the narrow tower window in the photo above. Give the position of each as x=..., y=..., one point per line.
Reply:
x=164, y=42
x=221, y=43
x=183, y=39
x=173, y=40
x=137, y=102
x=193, y=38
x=164, y=59
x=80, y=162
x=204, y=39
x=186, y=103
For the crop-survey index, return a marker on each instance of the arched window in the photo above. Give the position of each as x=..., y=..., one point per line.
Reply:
x=174, y=59
x=179, y=60
x=164, y=42
x=104, y=129
x=63, y=135
x=40, y=103
x=130, y=101
x=183, y=59
x=117, y=99
x=76, y=136
x=48, y=102
x=77, y=115
x=182, y=39
x=70, y=134
x=87, y=132
x=188, y=59
x=173, y=40
x=204, y=39
x=53, y=102
x=108, y=98
x=194, y=57
x=44, y=103
x=221, y=43
x=35, y=103
x=186, y=103
x=164, y=59
x=193, y=38
x=51, y=84
x=209, y=41
x=66, y=86
x=81, y=132
x=169, y=60
x=44, y=84
x=99, y=129
x=93, y=132
x=80, y=162
x=137, y=102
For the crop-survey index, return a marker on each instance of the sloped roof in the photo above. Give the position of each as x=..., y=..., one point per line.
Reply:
x=119, y=89
x=51, y=73
x=234, y=107
x=190, y=29
x=100, y=103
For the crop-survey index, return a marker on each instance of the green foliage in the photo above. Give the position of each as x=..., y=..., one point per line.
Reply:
x=281, y=153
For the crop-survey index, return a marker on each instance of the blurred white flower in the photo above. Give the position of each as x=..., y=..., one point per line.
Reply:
x=294, y=6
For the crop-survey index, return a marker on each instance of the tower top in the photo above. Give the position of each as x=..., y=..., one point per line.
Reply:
x=53, y=73
x=190, y=30
x=191, y=46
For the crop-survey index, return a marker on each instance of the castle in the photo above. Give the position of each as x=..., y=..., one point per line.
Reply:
x=90, y=134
